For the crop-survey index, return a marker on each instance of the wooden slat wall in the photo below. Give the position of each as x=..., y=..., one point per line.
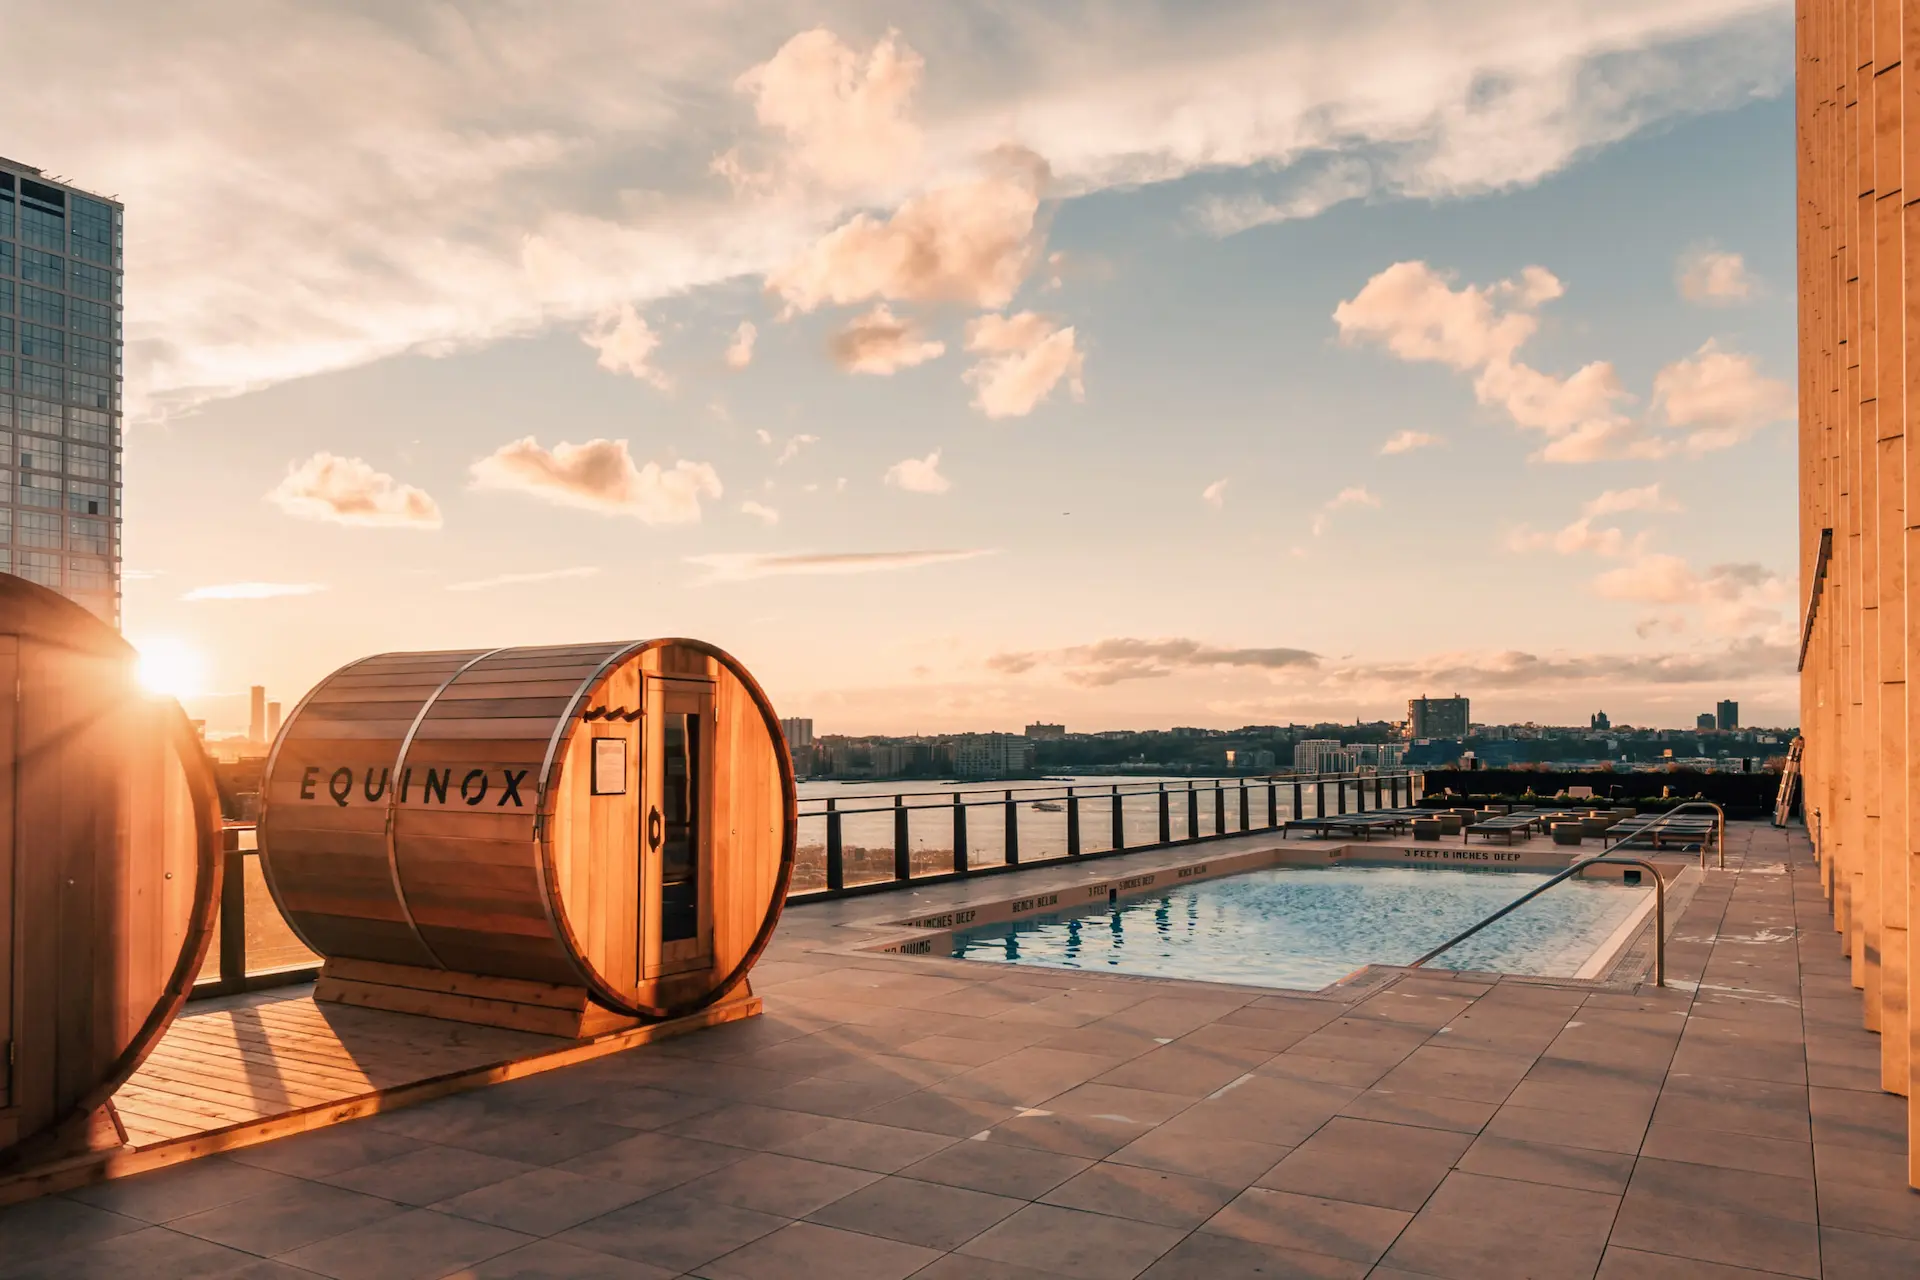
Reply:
x=1859, y=231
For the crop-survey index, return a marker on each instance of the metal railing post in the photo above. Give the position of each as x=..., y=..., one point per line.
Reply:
x=1340, y=795
x=960, y=854
x=1246, y=816
x=1073, y=824
x=1219, y=810
x=1299, y=797
x=1319, y=797
x=1193, y=812
x=836, y=853
x=902, y=841
x=1360, y=795
x=1166, y=817
x=233, y=912
x=1273, y=804
x=1013, y=831
x=1119, y=819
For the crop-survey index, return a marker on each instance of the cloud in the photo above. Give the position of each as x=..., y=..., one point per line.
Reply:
x=880, y=342
x=845, y=119
x=740, y=351
x=1711, y=277
x=1339, y=182
x=1215, y=494
x=253, y=590
x=970, y=242
x=1023, y=357
x=1580, y=536
x=764, y=514
x=516, y=579
x=600, y=476
x=1407, y=442
x=919, y=475
x=1734, y=599
x=1109, y=662
x=791, y=449
x=1351, y=496
x=626, y=345
x=1720, y=398
x=350, y=491
x=741, y=566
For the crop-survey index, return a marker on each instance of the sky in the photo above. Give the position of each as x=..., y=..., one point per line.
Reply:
x=959, y=366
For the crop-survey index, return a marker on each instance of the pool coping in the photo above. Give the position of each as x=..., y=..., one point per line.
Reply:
x=1613, y=964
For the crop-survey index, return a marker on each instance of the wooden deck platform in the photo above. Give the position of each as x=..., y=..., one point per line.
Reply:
x=238, y=1070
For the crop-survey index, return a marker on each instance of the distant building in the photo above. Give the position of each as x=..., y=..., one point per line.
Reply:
x=1727, y=716
x=1323, y=755
x=799, y=733
x=1046, y=732
x=273, y=721
x=1437, y=717
x=1255, y=759
x=1600, y=722
x=60, y=505
x=257, y=717
x=1705, y=722
x=992, y=755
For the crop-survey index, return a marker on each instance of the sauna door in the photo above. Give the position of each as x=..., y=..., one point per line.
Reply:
x=676, y=840
x=9, y=730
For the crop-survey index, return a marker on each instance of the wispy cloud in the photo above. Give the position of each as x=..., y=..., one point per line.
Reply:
x=918, y=475
x=1339, y=182
x=1215, y=494
x=626, y=343
x=740, y=566
x=253, y=590
x=881, y=343
x=1351, y=496
x=1407, y=442
x=739, y=352
x=350, y=491
x=517, y=579
x=1108, y=662
x=760, y=511
x=1022, y=359
x=600, y=475
x=1714, y=277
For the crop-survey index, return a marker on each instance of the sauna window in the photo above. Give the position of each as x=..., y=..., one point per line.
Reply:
x=609, y=766
x=680, y=847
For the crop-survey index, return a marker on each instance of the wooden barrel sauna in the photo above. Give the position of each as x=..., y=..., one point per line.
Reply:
x=109, y=870
x=552, y=839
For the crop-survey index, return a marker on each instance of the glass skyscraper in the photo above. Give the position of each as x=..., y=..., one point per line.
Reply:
x=60, y=387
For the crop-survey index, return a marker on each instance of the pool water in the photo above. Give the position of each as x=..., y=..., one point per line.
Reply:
x=1303, y=928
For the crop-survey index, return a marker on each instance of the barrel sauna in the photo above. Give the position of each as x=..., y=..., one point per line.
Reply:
x=109, y=871
x=565, y=839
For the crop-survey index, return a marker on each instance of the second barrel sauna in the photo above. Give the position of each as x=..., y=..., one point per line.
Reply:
x=562, y=839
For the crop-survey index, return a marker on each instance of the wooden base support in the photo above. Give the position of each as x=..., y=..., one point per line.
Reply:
x=540, y=1007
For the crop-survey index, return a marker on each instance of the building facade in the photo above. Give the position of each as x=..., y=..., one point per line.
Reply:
x=798, y=732
x=60, y=386
x=992, y=755
x=1859, y=240
x=1726, y=715
x=1437, y=717
x=1047, y=732
x=1322, y=755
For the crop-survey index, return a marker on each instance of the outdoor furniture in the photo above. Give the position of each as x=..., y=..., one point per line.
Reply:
x=1595, y=824
x=1451, y=824
x=1503, y=826
x=1426, y=828
x=1568, y=832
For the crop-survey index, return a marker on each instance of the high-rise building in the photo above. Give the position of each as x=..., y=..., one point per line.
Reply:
x=799, y=733
x=60, y=386
x=273, y=721
x=1726, y=715
x=257, y=714
x=1704, y=722
x=1046, y=732
x=1323, y=755
x=992, y=755
x=1437, y=717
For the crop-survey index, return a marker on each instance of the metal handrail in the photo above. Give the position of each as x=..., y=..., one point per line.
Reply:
x=1090, y=787
x=1659, y=911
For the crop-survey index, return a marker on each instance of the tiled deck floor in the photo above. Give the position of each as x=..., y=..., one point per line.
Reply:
x=894, y=1117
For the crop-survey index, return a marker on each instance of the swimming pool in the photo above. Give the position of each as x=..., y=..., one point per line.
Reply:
x=1303, y=928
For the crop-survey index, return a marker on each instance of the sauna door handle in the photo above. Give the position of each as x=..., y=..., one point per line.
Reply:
x=653, y=830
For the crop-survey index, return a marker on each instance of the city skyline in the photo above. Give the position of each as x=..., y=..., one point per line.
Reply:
x=625, y=335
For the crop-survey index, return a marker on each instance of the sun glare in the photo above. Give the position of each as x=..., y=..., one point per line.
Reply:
x=171, y=667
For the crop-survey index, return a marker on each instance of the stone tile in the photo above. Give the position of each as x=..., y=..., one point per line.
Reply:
x=939, y=1113
x=1597, y=1133
x=1857, y=1255
x=1214, y=1159
x=323, y=1151
x=1366, y=1162
x=922, y=1213
x=997, y=1168
x=55, y=1224
x=1735, y=1190
x=428, y=1175
x=1274, y=1110
x=1654, y=1219
x=1633, y=1264
x=181, y=1189
x=955, y=1049
x=150, y=1253
x=417, y=1245
x=1136, y=1106
x=1479, y=1075
x=1025, y=1077
x=1888, y=1210
x=1186, y=1070
x=655, y=1162
x=672, y=1230
x=1069, y=1242
x=780, y=1185
x=843, y=1098
x=541, y=1202
x=284, y=1219
x=748, y=1125
x=1476, y=1227
x=1783, y=1157
x=551, y=1260
x=1857, y=1119
x=1204, y=1256
x=1312, y=1224
x=543, y=1137
x=1295, y=1065
x=860, y=1144
x=803, y=1250
x=647, y=1108
x=1426, y=1110
x=1579, y=1167
x=1142, y=1195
